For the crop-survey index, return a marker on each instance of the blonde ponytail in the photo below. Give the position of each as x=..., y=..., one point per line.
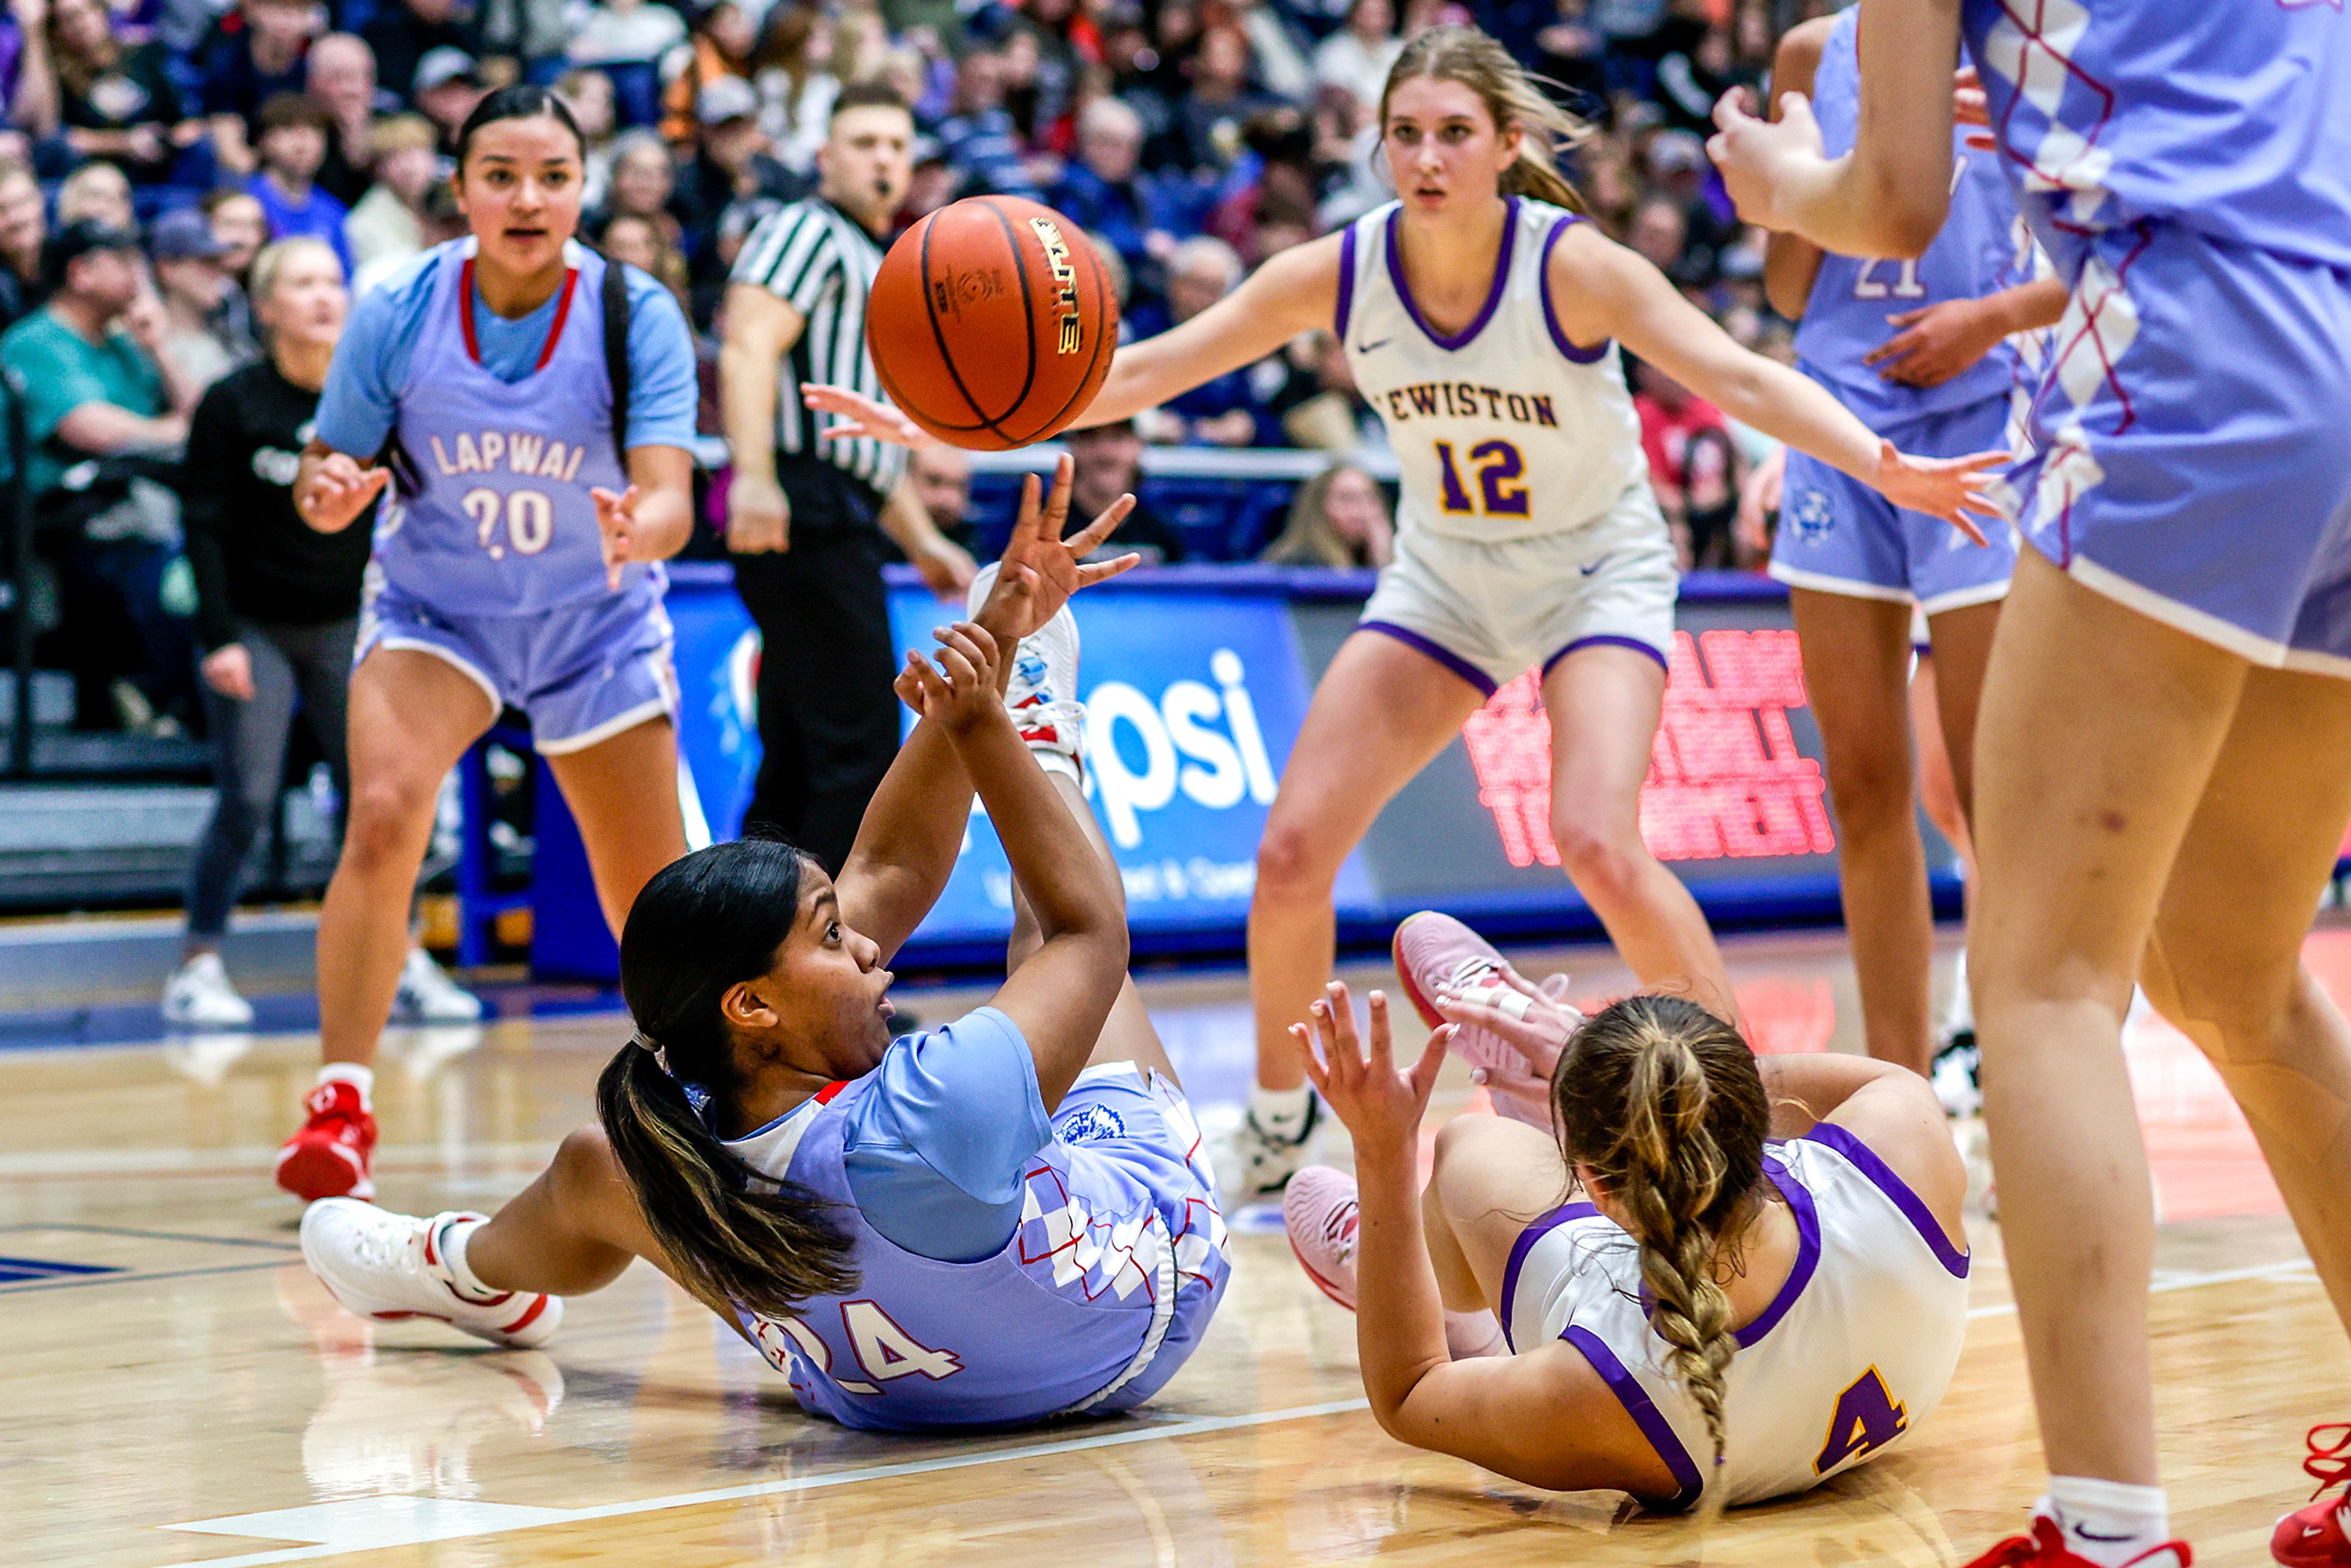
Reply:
x=1663, y=1101
x=1511, y=95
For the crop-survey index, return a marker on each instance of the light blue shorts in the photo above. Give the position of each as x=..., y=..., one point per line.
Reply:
x=2193, y=444
x=1838, y=536
x=582, y=673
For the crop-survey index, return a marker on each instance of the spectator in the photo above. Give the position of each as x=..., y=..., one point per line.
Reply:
x=402, y=32
x=194, y=287
x=111, y=102
x=388, y=223
x=1108, y=195
x=1339, y=518
x=342, y=82
x=1693, y=464
x=1358, y=56
x=628, y=39
x=239, y=223
x=1106, y=461
x=294, y=131
x=1319, y=405
x=100, y=192
x=731, y=164
x=1206, y=134
x=720, y=47
x=533, y=32
x=644, y=178
x=589, y=95
x=979, y=137
x=1571, y=52
x=440, y=222
x=1283, y=68
x=448, y=86
x=1227, y=410
x=92, y=388
x=255, y=53
x=791, y=68
x=22, y=226
x=644, y=244
x=941, y=476
x=1661, y=232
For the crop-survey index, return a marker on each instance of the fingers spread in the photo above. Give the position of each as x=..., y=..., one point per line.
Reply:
x=1102, y=571
x=1092, y=536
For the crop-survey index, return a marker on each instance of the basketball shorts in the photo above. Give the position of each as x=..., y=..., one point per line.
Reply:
x=1490, y=611
x=582, y=673
x=2193, y=443
x=1837, y=535
x=1135, y=1127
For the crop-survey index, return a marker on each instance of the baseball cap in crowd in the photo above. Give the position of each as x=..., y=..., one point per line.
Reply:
x=726, y=97
x=77, y=239
x=1676, y=152
x=184, y=235
x=445, y=65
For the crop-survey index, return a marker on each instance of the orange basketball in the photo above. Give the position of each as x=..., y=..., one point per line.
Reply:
x=991, y=324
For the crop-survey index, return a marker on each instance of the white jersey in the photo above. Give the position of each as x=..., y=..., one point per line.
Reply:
x=1854, y=1352
x=1506, y=429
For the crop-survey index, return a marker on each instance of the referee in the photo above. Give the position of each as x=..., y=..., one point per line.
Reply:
x=806, y=515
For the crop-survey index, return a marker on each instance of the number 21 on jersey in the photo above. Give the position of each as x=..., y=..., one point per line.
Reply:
x=1866, y=1418
x=1497, y=466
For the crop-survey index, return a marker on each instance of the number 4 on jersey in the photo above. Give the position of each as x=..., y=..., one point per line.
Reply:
x=1866, y=1419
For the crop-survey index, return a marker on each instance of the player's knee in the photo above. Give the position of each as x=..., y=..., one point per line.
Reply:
x=584, y=1162
x=387, y=820
x=1291, y=862
x=1872, y=794
x=1601, y=855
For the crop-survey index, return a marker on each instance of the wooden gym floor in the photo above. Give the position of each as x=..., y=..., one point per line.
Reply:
x=174, y=1388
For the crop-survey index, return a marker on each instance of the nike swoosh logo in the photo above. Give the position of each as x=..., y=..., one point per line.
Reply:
x=1367, y=347
x=1596, y=566
x=2094, y=1535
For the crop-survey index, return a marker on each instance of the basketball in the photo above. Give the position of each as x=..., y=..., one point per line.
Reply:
x=992, y=323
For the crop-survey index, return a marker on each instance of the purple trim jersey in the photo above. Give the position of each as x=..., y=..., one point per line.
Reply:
x=1855, y=1350
x=2228, y=118
x=1846, y=315
x=1505, y=429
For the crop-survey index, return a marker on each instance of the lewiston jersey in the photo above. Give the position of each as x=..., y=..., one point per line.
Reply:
x=502, y=523
x=2231, y=118
x=1506, y=429
x=1972, y=256
x=1855, y=1351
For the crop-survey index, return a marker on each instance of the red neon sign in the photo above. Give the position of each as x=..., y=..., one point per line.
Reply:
x=1726, y=781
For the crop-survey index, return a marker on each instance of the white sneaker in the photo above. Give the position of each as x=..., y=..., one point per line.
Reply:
x=199, y=995
x=390, y=1266
x=1266, y=1161
x=1042, y=692
x=427, y=994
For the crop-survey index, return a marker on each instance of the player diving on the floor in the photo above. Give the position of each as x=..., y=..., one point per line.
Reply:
x=1007, y=1219
x=1721, y=1279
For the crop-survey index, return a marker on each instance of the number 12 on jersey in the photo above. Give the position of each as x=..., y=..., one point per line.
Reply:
x=1498, y=468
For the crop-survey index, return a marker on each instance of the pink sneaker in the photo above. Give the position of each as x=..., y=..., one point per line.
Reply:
x=1436, y=952
x=1319, y=1211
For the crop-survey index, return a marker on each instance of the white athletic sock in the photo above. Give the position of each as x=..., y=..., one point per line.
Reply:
x=360, y=1078
x=1282, y=1111
x=2107, y=1523
x=1471, y=1334
x=450, y=1243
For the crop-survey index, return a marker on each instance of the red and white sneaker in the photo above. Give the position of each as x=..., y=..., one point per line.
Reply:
x=1041, y=692
x=331, y=1157
x=2319, y=1535
x=389, y=1267
x=1320, y=1212
x=2045, y=1548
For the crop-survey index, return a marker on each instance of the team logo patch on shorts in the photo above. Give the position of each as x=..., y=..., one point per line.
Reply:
x=1813, y=514
x=1093, y=1124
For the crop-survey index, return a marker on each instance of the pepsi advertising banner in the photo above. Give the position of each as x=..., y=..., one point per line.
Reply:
x=1195, y=682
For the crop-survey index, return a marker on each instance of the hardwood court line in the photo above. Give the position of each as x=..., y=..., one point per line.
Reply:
x=2300, y=1272
x=810, y=1483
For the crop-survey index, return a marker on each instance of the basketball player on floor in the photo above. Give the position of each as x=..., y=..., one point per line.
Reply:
x=1855, y=565
x=803, y=509
x=519, y=566
x=1762, y=1252
x=1480, y=315
x=2164, y=753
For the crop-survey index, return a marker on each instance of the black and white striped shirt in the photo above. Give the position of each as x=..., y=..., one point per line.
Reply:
x=821, y=262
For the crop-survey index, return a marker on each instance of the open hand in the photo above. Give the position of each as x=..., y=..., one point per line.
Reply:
x=228, y=670
x=1945, y=487
x=616, y=520
x=861, y=416
x=961, y=690
x=1935, y=343
x=1381, y=1107
x=1536, y=1024
x=338, y=491
x=1756, y=156
x=1040, y=568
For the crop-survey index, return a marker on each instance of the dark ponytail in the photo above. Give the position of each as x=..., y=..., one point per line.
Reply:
x=703, y=924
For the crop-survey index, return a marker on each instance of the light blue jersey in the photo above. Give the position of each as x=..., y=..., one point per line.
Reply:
x=1104, y=1255
x=2229, y=117
x=1847, y=316
x=509, y=425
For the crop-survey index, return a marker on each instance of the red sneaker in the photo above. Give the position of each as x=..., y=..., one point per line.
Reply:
x=2319, y=1535
x=2045, y=1548
x=330, y=1155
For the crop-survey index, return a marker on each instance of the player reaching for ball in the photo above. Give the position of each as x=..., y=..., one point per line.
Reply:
x=518, y=564
x=1004, y=1219
x=1761, y=1282
x=1481, y=314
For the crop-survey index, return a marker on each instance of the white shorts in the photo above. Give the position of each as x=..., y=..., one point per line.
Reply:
x=1489, y=612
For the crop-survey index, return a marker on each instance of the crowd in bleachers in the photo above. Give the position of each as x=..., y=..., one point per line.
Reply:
x=153, y=146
